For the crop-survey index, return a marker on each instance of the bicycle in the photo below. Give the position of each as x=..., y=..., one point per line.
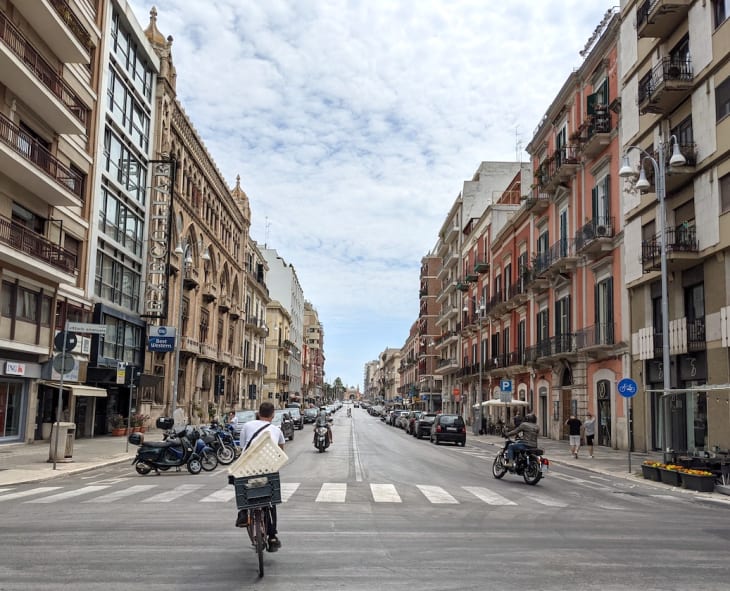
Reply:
x=255, y=494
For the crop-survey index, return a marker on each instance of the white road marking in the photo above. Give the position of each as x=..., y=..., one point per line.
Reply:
x=220, y=496
x=667, y=498
x=356, y=455
x=332, y=492
x=578, y=481
x=385, y=493
x=120, y=494
x=175, y=493
x=547, y=501
x=69, y=494
x=28, y=493
x=287, y=490
x=488, y=496
x=436, y=494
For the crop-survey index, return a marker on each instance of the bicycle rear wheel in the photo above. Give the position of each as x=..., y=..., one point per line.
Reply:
x=259, y=539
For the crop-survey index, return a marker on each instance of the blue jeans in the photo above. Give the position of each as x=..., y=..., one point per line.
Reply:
x=517, y=445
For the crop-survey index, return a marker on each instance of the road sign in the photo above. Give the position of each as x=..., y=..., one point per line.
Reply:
x=65, y=341
x=161, y=344
x=505, y=385
x=87, y=327
x=64, y=363
x=627, y=388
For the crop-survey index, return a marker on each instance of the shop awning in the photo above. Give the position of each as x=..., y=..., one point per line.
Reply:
x=79, y=389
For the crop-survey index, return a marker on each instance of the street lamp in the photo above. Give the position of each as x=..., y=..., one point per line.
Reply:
x=660, y=173
x=183, y=250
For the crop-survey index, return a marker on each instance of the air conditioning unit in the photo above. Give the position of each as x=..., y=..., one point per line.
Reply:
x=602, y=230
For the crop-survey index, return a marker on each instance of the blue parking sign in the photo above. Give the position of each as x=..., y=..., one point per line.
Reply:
x=505, y=385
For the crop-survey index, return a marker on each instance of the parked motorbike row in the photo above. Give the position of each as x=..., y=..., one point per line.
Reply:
x=197, y=448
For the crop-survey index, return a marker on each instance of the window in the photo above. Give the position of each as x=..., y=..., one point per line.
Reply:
x=123, y=340
x=722, y=99
x=521, y=341
x=725, y=193
x=601, y=203
x=683, y=132
x=25, y=304
x=116, y=282
x=720, y=10
x=603, y=304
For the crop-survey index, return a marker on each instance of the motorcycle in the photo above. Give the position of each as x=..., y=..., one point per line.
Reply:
x=208, y=457
x=321, y=441
x=527, y=463
x=175, y=451
x=222, y=443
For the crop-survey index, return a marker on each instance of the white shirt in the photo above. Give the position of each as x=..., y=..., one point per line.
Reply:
x=250, y=428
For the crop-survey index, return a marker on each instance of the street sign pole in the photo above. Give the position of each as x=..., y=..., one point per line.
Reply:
x=628, y=389
x=60, y=397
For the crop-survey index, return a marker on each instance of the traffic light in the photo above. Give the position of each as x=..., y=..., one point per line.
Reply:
x=131, y=376
x=220, y=385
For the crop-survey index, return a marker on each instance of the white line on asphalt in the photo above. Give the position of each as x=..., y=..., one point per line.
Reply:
x=120, y=494
x=579, y=481
x=173, y=494
x=385, y=493
x=28, y=493
x=220, y=496
x=667, y=498
x=332, y=492
x=488, y=496
x=69, y=494
x=436, y=494
x=287, y=490
x=548, y=502
x=356, y=455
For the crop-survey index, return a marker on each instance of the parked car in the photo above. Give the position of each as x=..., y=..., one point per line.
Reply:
x=243, y=416
x=296, y=416
x=282, y=419
x=402, y=419
x=422, y=426
x=448, y=428
x=310, y=415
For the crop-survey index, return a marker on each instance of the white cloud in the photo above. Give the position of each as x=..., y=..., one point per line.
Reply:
x=354, y=123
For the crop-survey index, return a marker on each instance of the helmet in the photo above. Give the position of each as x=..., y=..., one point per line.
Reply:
x=531, y=418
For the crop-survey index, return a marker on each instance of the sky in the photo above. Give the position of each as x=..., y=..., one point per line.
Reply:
x=353, y=125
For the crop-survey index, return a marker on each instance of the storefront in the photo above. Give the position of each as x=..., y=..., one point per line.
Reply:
x=17, y=379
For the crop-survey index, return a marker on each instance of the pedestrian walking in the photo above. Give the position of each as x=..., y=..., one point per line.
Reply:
x=574, y=424
x=589, y=428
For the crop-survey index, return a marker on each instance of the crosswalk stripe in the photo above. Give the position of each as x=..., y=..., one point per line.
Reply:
x=28, y=493
x=548, y=502
x=385, y=493
x=220, y=496
x=332, y=492
x=436, y=494
x=70, y=494
x=287, y=490
x=120, y=494
x=175, y=493
x=488, y=496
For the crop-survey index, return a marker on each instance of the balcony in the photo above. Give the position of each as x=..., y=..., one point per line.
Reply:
x=471, y=277
x=58, y=25
x=597, y=340
x=190, y=278
x=678, y=176
x=210, y=291
x=597, y=130
x=249, y=366
x=595, y=238
x=666, y=86
x=537, y=278
x=31, y=250
x=562, y=256
x=516, y=295
x=660, y=18
x=447, y=366
x=481, y=267
x=565, y=163
x=235, y=311
x=682, y=250
x=34, y=168
x=209, y=352
x=237, y=361
x=24, y=71
x=224, y=303
x=225, y=357
x=189, y=345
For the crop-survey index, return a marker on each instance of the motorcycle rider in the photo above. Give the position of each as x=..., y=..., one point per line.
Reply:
x=527, y=432
x=250, y=430
x=322, y=421
x=349, y=412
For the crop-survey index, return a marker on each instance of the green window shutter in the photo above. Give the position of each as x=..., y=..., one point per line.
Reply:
x=606, y=213
x=594, y=199
x=591, y=105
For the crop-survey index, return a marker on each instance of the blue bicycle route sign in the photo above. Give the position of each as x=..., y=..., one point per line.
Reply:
x=627, y=388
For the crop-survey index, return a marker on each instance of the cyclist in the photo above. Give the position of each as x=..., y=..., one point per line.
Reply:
x=249, y=431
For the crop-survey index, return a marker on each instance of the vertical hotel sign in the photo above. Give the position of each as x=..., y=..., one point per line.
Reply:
x=158, y=250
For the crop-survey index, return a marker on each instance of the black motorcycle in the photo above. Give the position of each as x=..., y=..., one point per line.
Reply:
x=177, y=450
x=221, y=442
x=527, y=463
x=321, y=438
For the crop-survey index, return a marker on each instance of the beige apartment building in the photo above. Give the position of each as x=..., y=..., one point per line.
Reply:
x=256, y=299
x=675, y=95
x=312, y=356
x=206, y=250
x=279, y=350
x=428, y=384
x=407, y=392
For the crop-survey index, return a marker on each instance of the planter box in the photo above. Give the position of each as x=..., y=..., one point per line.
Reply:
x=670, y=477
x=698, y=483
x=651, y=473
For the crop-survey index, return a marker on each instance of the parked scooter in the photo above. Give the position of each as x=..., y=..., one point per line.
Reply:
x=175, y=451
x=222, y=443
x=527, y=463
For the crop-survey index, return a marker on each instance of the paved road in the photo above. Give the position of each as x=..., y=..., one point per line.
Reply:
x=379, y=510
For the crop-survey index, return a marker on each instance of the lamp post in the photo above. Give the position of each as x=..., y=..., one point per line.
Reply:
x=677, y=159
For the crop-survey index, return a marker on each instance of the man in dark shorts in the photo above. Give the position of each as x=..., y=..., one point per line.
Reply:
x=574, y=424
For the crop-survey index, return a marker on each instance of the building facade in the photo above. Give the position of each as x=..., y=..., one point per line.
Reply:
x=256, y=300
x=279, y=353
x=675, y=94
x=312, y=356
x=49, y=82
